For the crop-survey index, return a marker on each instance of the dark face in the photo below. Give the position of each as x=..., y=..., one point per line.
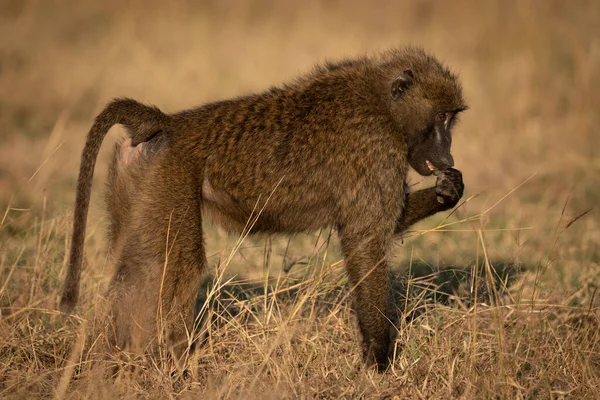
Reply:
x=427, y=125
x=429, y=150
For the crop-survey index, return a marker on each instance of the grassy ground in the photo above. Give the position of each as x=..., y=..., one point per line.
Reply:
x=499, y=299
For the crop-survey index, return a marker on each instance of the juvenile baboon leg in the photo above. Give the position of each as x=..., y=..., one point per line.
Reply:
x=423, y=203
x=365, y=256
x=162, y=259
x=127, y=170
x=121, y=185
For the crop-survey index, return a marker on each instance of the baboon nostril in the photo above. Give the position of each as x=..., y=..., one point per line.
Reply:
x=447, y=162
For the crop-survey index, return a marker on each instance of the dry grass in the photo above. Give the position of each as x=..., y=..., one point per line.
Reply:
x=500, y=300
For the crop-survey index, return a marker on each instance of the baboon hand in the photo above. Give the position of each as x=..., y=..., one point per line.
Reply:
x=449, y=187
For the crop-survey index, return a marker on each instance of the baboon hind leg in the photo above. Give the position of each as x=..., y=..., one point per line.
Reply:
x=162, y=258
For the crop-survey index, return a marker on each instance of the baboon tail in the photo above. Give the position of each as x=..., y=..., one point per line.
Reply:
x=142, y=122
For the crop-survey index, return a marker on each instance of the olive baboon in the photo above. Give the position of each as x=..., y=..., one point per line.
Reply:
x=331, y=148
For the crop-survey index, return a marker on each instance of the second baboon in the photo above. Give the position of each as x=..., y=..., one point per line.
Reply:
x=329, y=149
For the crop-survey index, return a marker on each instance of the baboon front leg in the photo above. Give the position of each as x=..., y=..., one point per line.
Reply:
x=424, y=203
x=365, y=256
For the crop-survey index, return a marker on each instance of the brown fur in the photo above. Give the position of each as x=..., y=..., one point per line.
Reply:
x=331, y=148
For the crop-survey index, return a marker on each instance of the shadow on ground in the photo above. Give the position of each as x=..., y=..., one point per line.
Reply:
x=415, y=288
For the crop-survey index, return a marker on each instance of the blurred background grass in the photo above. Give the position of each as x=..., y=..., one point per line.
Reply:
x=530, y=71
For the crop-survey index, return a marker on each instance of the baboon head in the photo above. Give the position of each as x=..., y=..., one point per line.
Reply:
x=425, y=100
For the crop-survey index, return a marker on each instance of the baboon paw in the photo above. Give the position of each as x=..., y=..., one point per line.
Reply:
x=449, y=187
x=378, y=357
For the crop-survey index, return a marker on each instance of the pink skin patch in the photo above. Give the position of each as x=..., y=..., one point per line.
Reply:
x=128, y=153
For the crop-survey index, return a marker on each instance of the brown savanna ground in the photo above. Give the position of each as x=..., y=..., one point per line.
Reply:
x=501, y=297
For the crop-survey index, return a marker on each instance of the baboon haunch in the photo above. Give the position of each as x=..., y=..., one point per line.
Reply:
x=329, y=149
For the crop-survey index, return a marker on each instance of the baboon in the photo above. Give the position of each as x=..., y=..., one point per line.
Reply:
x=331, y=148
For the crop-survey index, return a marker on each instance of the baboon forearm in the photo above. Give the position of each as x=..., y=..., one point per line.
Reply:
x=419, y=205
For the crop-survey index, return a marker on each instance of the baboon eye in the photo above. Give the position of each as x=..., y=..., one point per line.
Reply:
x=441, y=116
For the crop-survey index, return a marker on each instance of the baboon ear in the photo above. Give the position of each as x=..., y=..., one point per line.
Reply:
x=402, y=83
